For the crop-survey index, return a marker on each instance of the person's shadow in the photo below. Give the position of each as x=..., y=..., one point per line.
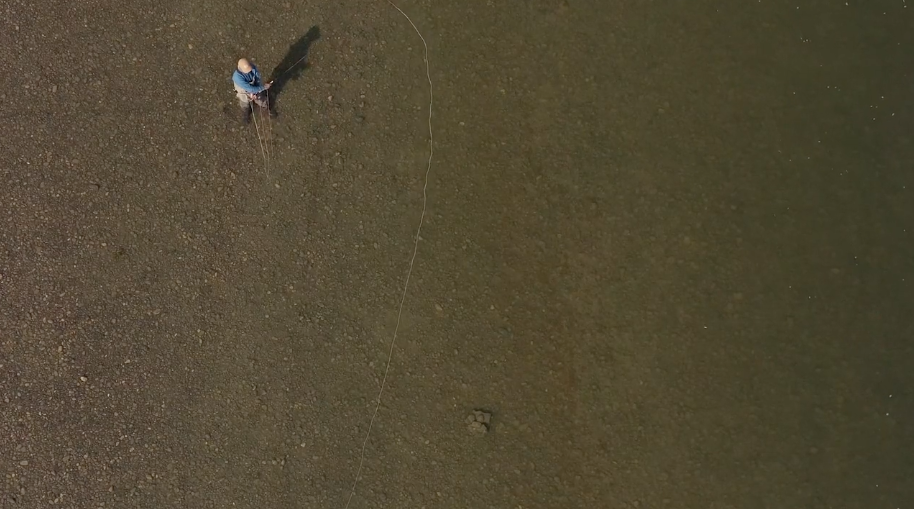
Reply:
x=293, y=65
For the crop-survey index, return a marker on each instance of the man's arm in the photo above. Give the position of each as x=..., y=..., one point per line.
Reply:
x=247, y=87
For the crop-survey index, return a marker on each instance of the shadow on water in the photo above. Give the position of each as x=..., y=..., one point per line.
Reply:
x=293, y=65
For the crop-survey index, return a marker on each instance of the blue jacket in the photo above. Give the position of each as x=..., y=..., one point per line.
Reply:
x=249, y=82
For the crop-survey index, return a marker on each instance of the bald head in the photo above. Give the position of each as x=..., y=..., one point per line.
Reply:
x=244, y=66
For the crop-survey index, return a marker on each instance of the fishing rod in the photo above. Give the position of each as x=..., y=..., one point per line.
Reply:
x=291, y=67
x=280, y=75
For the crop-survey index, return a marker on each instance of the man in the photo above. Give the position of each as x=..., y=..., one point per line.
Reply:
x=249, y=88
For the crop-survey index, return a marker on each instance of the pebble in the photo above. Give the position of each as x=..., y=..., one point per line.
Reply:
x=83, y=379
x=478, y=421
x=478, y=428
x=24, y=463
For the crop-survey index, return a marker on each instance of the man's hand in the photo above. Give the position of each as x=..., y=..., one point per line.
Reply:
x=268, y=85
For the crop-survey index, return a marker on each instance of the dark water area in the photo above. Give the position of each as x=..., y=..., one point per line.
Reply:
x=741, y=174
x=773, y=140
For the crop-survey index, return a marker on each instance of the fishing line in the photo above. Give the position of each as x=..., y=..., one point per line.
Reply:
x=268, y=132
x=260, y=140
x=390, y=354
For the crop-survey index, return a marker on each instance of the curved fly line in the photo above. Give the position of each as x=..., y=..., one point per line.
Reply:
x=412, y=260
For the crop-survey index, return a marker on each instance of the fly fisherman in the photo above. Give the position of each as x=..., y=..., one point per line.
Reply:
x=249, y=88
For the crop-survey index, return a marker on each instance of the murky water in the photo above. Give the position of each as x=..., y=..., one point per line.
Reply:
x=668, y=250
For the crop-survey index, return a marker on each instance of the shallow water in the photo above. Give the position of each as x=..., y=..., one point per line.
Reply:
x=668, y=249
